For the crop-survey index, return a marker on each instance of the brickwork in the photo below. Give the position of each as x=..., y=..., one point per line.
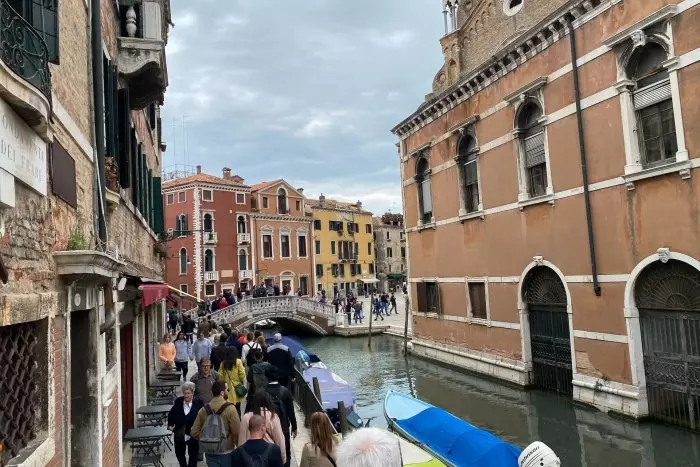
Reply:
x=111, y=443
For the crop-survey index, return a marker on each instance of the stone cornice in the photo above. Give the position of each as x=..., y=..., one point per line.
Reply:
x=527, y=46
x=275, y=218
x=659, y=15
x=175, y=189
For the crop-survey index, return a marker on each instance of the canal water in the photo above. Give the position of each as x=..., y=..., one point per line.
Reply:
x=579, y=435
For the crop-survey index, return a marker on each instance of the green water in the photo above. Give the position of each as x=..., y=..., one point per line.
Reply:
x=580, y=436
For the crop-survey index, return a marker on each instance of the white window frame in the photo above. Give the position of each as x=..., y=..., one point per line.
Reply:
x=213, y=286
x=288, y=232
x=317, y=251
x=654, y=28
x=240, y=194
x=309, y=287
x=303, y=233
x=213, y=220
x=211, y=195
x=470, y=316
x=182, y=196
x=277, y=200
x=245, y=223
x=238, y=259
x=213, y=259
x=179, y=264
x=170, y=199
x=466, y=131
x=264, y=202
x=267, y=231
x=181, y=223
x=185, y=289
x=424, y=154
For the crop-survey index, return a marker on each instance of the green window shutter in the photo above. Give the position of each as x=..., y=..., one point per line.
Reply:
x=157, y=206
x=44, y=18
x=133, y=163
x=144, y=182
x=125, y=143
x=107, y=88
x=138, y=201
x=114, y=112
x=150, y=198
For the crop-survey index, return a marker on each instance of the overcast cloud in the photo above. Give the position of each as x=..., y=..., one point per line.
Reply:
x=305, y=90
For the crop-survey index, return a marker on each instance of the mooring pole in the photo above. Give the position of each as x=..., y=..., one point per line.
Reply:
x=405, y=327
x=343, y=417
x=371, y=310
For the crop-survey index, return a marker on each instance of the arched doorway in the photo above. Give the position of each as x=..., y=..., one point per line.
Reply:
x=241, y=224
x=545, y=296
x=667, y=296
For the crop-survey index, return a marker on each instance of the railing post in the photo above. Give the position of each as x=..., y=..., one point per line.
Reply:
x=317, y=389
x=343, y=417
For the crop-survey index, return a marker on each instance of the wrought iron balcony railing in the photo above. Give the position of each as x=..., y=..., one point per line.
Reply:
x=24, y=50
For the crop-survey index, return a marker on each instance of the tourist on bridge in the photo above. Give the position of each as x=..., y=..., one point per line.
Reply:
x=257, y=373
x=166, y=352
x=261, y=404
x=320, y=452
x=369, y=447
x=201, y=348
x=239, y=295
x=230, y=428
x=223, y=302
x=187, y=327
x=180, y=420
x=281, y=358
x=232, y=373
x=218, y=352
x=183, y=353
x=204, y=380
x=256, y=447
x=284, y=403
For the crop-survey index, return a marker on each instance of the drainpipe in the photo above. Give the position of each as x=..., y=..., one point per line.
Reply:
x=584, y=166
x=98, y=101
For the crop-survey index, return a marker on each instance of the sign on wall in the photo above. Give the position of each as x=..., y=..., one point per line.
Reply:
x=22, y=151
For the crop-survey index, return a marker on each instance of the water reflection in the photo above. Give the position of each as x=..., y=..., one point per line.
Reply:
x=579, y=435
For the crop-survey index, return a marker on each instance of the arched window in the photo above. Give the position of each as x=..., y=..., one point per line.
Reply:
x=181, y=224
x=281, y=201
x=531, y=138
x=653, y=105
x=208, y=261
x=425, y=198
x=242, y=260
x=208, y=223
x=467, y=163
x=241, y=224
x=183, y=261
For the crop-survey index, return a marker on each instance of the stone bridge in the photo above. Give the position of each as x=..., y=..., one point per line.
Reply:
x=316, y=316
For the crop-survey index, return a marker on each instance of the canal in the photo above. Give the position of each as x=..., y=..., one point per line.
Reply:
x=579, y=435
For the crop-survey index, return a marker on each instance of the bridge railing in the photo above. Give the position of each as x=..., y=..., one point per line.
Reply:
x=267, y=305
x=307, y=400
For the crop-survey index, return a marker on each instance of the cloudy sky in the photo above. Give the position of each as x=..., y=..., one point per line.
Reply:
x=306, y=90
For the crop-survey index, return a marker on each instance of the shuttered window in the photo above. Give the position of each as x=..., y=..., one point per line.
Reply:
x=652, y=94
x=44, y=18
x=477, y=299
x=134, y=164
x=158, y=221
x=124, y=129
x=63, y=181
x=534, y=150
x=149, y=193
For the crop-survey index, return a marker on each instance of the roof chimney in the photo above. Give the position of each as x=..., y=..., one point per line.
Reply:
x=321, y=199
x=199, y=169
x=359, y=204
x=227, y=173
x=301, y=191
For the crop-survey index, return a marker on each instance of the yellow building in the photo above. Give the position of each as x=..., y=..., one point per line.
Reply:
x=343, y=247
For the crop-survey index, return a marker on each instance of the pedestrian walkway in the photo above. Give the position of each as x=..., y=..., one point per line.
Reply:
x=394, y=321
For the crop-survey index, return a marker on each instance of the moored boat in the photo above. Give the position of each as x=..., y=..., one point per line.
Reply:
x=452, y=440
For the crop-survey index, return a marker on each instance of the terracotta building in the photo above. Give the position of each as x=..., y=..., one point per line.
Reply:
x=81, y=271
x=207, y=218
x=551, y=200
x=281, y=233
x=390, y=250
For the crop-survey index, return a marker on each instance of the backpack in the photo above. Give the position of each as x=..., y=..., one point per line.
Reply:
x=259, y=377
x=249, y=358
x=259, y=460
x=214, y=436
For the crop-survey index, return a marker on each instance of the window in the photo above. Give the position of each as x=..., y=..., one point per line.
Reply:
x=368, y=228
x=63, y=177
x=265, y=203
x=388, y=236
x=511, y=7
x=389, y=253
x=43, y=16
x=240, y=198
x=285, y=246
x=207, y=195
x=282, y=201
x=242, y=260
x=352, y=269
x=388, y=268
x=183, y=288
x=656, y=128
x=183, y=261
x=401, y=235
x=319, y=270
x=181, y=196
x=428, y=297
x=302, y=246
x=298, y=203
x=425, y=200
x=209, y=290
x=241, y=224
x=469, y=177
x=336, y=226
x=181, y=227
x=208, y=261
x=332, y=247
x=267, y=246
x=317, y=247
x=317, y=224
x=341, y=267
x=531, y=140
x=403, y=251
x=208, y=223
x=477, y=300
x=304, y=285
x=170, y=199
x=371, y=268
x=369, y=248
x=358, y=269
x=334, y=270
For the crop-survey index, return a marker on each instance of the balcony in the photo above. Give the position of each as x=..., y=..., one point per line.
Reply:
x=210, y=238
x=243, y=238
x=246, y=275
x=25, y=78
x=211, y=276
x=144, y=32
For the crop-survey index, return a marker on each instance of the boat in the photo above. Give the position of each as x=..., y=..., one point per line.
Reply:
x=413, y=455
x=450, y=439
x=333, y=388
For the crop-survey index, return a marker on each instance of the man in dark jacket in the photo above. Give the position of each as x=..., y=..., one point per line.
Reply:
x=180, y=419
x=284, y=403
x=218, y=353
x=281, y=358
x=256, y=447
x=188, y=328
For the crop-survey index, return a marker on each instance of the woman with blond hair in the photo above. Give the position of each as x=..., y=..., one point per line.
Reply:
x=166, y=352
x=260, y=340
x=320, y=452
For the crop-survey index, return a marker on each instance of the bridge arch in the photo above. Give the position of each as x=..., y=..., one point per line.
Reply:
x=245, y=322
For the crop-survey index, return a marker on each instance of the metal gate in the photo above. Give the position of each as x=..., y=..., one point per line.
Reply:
x=668, y=298
x=549, y=330
x=18, y=385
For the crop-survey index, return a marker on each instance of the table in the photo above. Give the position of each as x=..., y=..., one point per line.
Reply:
x=169, y=375
x=145, y=443
x=164, y=388
x=153, y=415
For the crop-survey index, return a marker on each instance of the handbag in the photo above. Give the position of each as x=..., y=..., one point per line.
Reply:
x=241, y=390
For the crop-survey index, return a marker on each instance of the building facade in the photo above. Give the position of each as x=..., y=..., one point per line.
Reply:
x=343, y=247
x=280, y=243
x=80, y=216
x=207, y=219
x=540, y=179
x=390, y=251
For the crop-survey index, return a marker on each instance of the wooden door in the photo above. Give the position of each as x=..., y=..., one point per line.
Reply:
x=127, y=370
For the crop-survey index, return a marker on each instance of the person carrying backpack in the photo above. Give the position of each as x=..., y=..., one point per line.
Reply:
x=257, y=373
x=256, y=451
x=261, y=404
x=284, y=403
x=217, y=428
x=246, y=354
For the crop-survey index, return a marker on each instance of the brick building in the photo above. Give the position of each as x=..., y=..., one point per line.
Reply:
x=390, y=251
x=80, y=268
x=551, y=198
x=208, y=219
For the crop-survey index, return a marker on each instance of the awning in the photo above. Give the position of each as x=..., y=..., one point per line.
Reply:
x=372, y=280
x=396, y=275
x=152, y=293
x=182, y=294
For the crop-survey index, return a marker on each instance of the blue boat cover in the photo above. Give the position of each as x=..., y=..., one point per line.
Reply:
x=457, y=441
x=294, y=347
